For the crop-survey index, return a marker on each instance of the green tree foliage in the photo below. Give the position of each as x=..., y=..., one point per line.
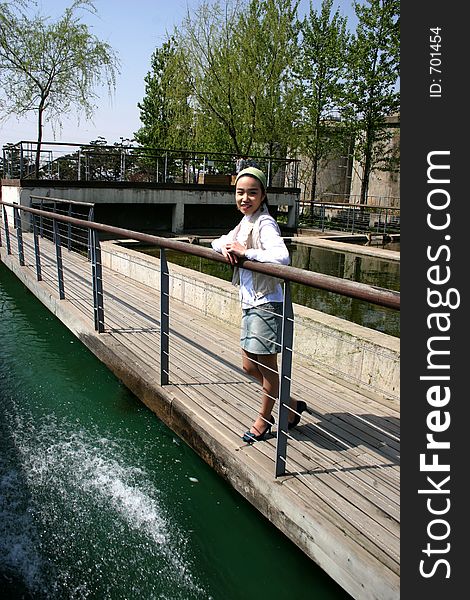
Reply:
x=51, y=67
x=268, y=34
x=321, y=68
x=212, y=66
x=370, y=92
x=237, y=60
x=165, y=111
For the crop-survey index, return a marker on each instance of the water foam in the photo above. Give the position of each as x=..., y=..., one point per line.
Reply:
x=19, y=538
x=73, y=474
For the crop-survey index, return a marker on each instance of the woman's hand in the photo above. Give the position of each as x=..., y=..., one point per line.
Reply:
x=233, y=252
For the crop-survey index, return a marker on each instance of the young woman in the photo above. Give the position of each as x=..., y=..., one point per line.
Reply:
x=257, y=237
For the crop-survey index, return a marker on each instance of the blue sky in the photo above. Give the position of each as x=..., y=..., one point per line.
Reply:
x=134, y=29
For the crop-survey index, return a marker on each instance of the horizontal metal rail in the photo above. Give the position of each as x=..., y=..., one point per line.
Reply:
x=347, y=204
x=46, y=199
x=352, y=289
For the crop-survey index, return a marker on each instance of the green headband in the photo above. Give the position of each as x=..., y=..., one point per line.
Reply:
x=253, y=172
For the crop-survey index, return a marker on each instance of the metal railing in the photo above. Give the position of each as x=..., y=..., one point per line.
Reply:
x=355, y=199
x=353, y=218
x=119, y=163
x=65, y=207
x=29, y=218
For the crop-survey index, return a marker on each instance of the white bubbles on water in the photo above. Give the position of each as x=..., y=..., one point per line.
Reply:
x=19, y=539
x=93, y=521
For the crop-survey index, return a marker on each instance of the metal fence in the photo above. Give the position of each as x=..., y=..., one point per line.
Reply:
x=57, y=228
x=119, y=163
x=353, y=218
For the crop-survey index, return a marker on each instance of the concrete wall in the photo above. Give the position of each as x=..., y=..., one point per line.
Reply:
x=11, y=194
x=342, y=177
x=347, y=351
x=333, y=179
x=130, y=196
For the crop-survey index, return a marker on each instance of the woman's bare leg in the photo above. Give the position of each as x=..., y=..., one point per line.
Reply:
x=263, y=367
x=250, y=365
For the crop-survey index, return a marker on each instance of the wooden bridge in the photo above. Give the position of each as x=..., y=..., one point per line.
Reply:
x=339, y=497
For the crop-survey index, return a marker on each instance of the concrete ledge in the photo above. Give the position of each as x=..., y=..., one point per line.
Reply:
x=338, y=244
x=353, y=354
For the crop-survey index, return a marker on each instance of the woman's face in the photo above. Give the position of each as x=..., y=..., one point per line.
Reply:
x=248, y=194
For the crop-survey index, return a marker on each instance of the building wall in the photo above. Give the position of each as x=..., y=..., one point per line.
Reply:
x=339, y=179
x=384, y=186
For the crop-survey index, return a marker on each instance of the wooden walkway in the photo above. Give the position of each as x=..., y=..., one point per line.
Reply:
x=339, y=501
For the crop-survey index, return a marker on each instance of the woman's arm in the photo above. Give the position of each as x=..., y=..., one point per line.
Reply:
x=219, y=244
x=273, y=246
x=224, y=243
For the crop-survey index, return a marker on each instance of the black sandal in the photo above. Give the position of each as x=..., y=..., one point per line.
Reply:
x=249, y=437
x=301, y=406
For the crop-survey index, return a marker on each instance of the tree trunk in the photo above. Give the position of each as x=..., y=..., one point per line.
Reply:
x=39, y=142
x=313, y=189
x=315, y=161
x=367, y=169
x=365, y=181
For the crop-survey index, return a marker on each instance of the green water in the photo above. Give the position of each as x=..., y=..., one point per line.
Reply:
x=355, y=267
x=99, y=500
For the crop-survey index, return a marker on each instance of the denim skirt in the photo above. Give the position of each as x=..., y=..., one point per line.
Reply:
x=261, y=328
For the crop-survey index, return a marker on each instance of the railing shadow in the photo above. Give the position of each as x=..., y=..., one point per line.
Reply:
x=343, y=431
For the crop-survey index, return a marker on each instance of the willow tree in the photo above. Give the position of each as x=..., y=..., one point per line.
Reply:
x=371, y=91
x=321, y=68
x=51, y=67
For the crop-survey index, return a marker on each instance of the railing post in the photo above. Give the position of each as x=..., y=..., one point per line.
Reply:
x=164, y=319
x=19, y=235
x=91, y=217
x=58, y=252
x=37, y=252
x=21, y=161
x=41, y=219
x=97, y=281
x=284, y=380
x=69, y=230
x=7, y=230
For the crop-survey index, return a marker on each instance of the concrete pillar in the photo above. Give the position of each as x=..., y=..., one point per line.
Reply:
x=292, y=220
x=177, y=218
x=352, y=264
